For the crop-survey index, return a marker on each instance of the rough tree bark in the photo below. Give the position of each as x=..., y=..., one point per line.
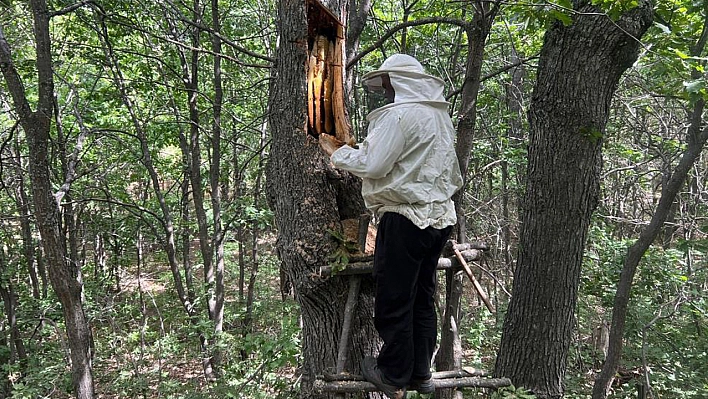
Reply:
x=308, y=198
x=65, y=276
x=477, y=33
x=579, y=68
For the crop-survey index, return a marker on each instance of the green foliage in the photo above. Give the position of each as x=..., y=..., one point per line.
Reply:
x=562, y=12
x=615, y=8
x=512, y=392
x=665, y=312
x=344, y=248
x=591, y=133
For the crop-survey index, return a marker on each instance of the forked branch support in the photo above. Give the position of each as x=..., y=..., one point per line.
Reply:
x=366, y=267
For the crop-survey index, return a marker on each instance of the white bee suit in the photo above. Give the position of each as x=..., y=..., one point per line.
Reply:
x=408, y=162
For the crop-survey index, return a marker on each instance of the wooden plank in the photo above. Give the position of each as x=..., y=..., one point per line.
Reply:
x=366, y=267
x=437, y=375
x=445, y=383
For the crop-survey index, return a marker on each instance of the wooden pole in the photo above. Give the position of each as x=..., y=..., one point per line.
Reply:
x=477, y=287
x=349, y=308
x=365, y=386
x=367, y=266
x=437, y=375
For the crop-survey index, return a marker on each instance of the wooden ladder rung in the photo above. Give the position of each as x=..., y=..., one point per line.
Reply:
x=353, y=386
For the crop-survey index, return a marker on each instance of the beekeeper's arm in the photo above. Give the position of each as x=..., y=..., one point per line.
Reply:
x=376, y=156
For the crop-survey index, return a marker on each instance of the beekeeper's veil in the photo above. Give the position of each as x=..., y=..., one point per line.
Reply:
x=402, y=79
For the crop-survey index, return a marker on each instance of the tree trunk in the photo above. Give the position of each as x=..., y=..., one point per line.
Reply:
x=65, y=277
x=484, y=14
x=255, y=231
x=167, y=220
x=303, y=197
x=510, y=198
x=191, y=79
x=696, y=138
x=217, y=238
x=28, y=245
x=9, y=300
x=579, y=68
x=357, y=11
x=449, y=355
x=185, y=232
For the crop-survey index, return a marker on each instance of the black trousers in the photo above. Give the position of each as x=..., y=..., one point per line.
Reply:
x=405, y=260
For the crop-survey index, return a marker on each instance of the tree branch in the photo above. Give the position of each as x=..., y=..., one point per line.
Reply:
x=497, y=72
x=392, y=31
x=74, y=157
x=365, y=386
x=13, y=79
x=70, y=8
x=217, y=34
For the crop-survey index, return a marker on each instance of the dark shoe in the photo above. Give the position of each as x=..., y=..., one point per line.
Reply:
x=422, y=385
x=372, y=374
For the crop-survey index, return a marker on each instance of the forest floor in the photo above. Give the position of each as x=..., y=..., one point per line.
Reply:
x=146, y=346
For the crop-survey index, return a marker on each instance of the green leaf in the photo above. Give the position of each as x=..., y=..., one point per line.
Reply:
x=681, y=54
x=561, y=16
x=694, y=86
x=565, y=4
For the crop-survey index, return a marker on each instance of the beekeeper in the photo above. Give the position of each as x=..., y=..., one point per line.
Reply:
x=410, y=172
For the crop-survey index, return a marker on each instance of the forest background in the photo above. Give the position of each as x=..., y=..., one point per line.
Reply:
x=169, y=281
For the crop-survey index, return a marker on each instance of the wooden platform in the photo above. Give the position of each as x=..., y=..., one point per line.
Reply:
x=466, y=378
x=365, y=265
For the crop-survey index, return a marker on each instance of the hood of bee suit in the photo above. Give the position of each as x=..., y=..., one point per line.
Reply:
x=409, y=80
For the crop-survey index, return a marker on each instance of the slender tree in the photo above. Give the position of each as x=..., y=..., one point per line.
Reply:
x=167, y=220
x=218, y=233
x=65, y=276
x=696, y=137
x=579, y=69
x=449, y=356
x=24, y=207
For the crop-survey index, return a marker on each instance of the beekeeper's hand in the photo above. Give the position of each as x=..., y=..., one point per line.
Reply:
x=329, y=143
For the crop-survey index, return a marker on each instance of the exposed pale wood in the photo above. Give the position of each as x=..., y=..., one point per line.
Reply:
x=341, y=122
x=320, y=51
x=327, y=90
x=311, y=65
